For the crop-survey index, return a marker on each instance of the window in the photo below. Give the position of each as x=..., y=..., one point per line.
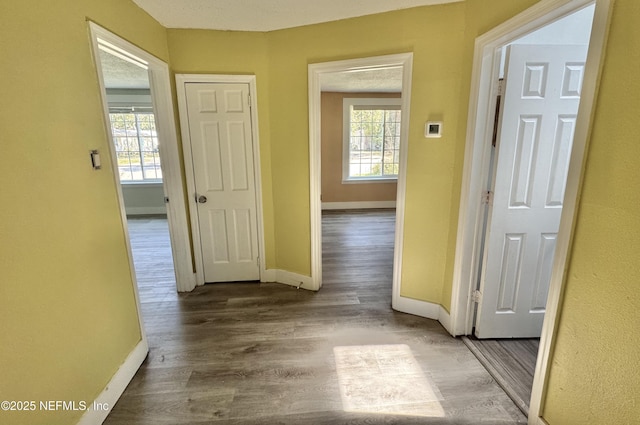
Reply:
x=371, y=139
x=134, y=134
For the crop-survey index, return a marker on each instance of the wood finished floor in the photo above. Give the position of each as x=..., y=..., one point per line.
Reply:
x=250, y=353
x=512, y=363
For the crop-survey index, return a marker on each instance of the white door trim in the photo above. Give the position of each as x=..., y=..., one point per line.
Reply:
x=169, y=157
x=315, y=203
x=476, y=168
x=181, y=80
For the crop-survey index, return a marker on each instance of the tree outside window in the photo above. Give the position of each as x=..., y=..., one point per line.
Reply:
x=372, y=139
x=136, y=142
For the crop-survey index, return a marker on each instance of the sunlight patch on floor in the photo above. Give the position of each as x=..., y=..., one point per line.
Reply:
x=385, y=379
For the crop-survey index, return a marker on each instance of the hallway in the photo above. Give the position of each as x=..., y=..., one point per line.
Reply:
x=256, y=353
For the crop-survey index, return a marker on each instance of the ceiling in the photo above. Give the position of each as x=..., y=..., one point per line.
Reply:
x=266, y=15
x=121, y=74
x=388, y=80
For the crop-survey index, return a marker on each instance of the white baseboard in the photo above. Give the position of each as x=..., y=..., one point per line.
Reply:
x=417, y=307
x=116, y=386
x=145, y=210
x=424, y=309
x=445, y=320
x=268, y=275
x=358, y=205
x=287, y=278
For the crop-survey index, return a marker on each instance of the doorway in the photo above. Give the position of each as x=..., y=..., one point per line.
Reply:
x=360, y=136
x=133, y=130
x=538, y=105
x=326, y=74
x=221, y=147
x=470, y=259
x=138, y=111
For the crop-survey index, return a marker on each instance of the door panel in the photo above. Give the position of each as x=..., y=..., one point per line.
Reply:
x=222, y=150
x=536, y=130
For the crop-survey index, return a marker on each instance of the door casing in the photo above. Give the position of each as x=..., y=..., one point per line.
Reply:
x=160, y=83
x=405, y=60
x=181, y=80
x=481, y=113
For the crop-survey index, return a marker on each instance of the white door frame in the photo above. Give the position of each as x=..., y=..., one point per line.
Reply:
x=315, y=203
x=160, y=85
x=181, y=80
x=483, y=93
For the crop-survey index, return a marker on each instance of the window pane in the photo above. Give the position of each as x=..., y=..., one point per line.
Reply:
x=136, y=143
x=374, y=141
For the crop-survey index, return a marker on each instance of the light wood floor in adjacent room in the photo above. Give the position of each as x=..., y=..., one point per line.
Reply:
x=250, y=353
x=512, y=363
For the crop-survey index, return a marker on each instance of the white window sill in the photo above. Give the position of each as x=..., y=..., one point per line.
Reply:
x=370, y=180
x=142, y=183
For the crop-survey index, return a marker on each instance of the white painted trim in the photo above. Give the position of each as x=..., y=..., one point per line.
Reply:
x=445, y=319
x=116, y=386
x=315, y=72
x=269, y=275
x=181, y=80
x=287, y=278
x=131, y=211
x=593, y=70
x=476, y=169
x=363, y=205
x=417, y=307
x=294, y=279
x=424, y=309
x=169, y=155
x=370, y=180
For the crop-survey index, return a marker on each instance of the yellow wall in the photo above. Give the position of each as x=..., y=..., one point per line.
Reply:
x=595, y=374
x=67, y=311
x=332, y=135
x=441, y=38
x=428, y=32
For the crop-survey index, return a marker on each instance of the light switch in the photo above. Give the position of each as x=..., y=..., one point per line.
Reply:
x=95, y=159
x=433, y=129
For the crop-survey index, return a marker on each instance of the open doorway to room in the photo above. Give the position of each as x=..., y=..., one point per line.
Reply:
x=359, y=111
x=360, y=120
x=529, y=117
x=135, y=140
x=143, y=152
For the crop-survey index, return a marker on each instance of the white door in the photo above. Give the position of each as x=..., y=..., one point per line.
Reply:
x=222, y=149
x=540, y=105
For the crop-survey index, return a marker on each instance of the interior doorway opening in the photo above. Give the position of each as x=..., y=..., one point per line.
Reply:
x=360, y=121
x=540, y=78
x=132, y=123
x=363, y=159
x=478, y=171
x=143, y=148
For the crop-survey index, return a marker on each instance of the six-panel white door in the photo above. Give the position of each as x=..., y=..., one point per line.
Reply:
x=540, y=105
x=222, y=150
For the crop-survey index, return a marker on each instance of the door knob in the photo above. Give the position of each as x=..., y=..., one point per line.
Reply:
x=202, y=199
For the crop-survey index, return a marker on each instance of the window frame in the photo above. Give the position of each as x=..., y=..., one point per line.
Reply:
x=135, y=108
x=347, y=104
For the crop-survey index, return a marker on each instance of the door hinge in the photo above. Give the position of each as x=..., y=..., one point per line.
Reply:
x=249, y=99
x=166, y=199
x=501, y=87
x=487, y=197
x=258, y=262
x=476, y=296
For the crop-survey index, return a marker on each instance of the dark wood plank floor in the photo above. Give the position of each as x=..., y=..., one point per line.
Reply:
x=512, y=362
x=250, y=353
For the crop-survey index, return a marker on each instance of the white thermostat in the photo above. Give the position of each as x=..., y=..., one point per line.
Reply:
x=433, y=129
